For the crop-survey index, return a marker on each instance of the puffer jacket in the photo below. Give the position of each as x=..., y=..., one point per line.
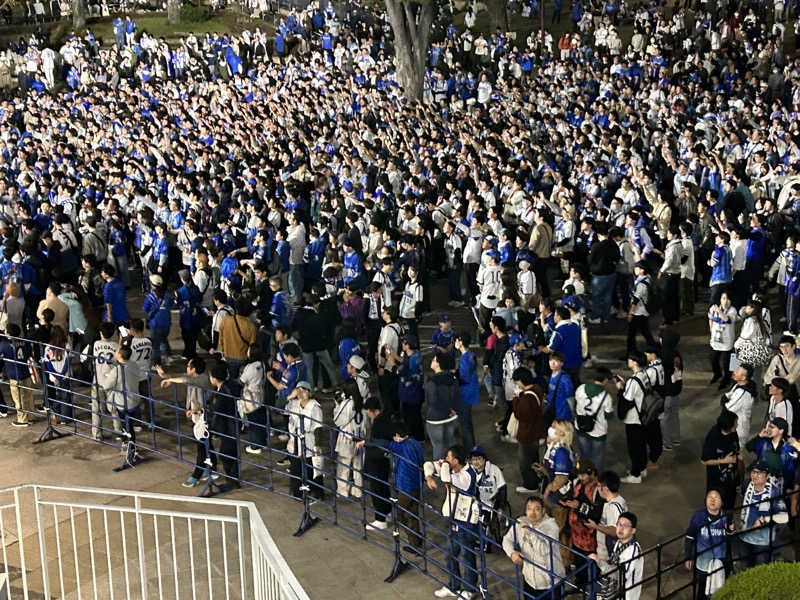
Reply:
x=442, y=394
x=536, y=549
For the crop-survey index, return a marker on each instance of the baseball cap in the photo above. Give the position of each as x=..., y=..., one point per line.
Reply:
x=517, y=338
x=478, y=451
x=760, y=465
x=305, y=385
x=411, y=340
x=156, y=280
x=357, y=362
x=493, y=254
x=444, y=319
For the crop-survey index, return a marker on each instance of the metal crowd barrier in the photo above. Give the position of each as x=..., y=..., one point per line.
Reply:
x=161, y=428
x=74, y=542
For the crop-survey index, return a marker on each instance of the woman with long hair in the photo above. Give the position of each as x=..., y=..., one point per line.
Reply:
x=56, y=363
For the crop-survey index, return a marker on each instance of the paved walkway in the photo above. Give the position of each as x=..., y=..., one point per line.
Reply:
x=330, y=563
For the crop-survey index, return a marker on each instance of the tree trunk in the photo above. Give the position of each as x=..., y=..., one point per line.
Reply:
x=174, y=12
x=411, y=23
x=78, y=13
x=498, y=15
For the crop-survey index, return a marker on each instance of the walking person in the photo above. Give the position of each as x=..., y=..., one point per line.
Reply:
x=469, y=389
x=157, y=308
x=442, y=398
x=722, y=319
x=593, y=406
x=630, y=397
x=638, y=315
x=408, y=481
x=223, y=423
x=528, y=407
x=350, y=418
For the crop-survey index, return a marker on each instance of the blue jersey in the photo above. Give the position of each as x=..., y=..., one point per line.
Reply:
x=347, y=348
x=705, y=538
x=158, y=310
x=313, y=256
x=114, y=294
x=410, y=390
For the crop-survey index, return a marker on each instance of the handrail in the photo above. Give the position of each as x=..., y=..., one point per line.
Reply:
x=347, y=514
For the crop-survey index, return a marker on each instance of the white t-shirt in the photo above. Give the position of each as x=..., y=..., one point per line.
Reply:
x=740, y=401
x=781, y=409
x=600, y=404
x=611, y=512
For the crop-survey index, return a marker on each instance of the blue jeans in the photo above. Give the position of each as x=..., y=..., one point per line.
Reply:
x=464, y=411
x=324, y=362
x=602, y=291
x=442, y=435
x=159, y=339
x=464, y=540
x=296, y=281
x=594, y=449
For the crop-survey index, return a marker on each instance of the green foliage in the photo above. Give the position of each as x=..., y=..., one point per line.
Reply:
x=773, y=581
x=194, y=13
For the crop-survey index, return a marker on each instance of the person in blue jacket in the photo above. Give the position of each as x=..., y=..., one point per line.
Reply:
x=443, y=342
x=279, y=308
x=313, y=255
x=410, y=386
x=119, y=32
x=188, y=297
x=407, y=472
x=470, y=389
x=157, y=307
x=763, y=509
x=348, y=346
x=704, y=546
x=114, y=297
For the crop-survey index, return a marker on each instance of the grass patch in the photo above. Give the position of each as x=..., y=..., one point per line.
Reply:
x=156, y=24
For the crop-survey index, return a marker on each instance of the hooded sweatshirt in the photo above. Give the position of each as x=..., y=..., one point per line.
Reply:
x=442, y=395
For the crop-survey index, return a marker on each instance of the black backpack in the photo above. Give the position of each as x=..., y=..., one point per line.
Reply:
x=653, y=304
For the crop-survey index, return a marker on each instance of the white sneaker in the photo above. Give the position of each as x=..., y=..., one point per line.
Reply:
x=252, y=450
x=643, y=474
x=465, y=596
x=379, y=525
x=445, y=592
x=508, y=439
x=283, y=437
x=521, y=489
x=631, y=479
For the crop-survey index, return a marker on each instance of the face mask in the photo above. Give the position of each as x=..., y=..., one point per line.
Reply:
x=551, y=432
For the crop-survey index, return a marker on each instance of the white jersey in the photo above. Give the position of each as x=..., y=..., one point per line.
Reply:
x=491, y=286
x=103, y=352
x=490, y=480
x=141, y=355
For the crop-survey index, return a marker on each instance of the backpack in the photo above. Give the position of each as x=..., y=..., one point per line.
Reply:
x=653, y=304
x=652, y=404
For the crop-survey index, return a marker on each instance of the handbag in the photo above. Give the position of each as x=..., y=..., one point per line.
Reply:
x=752, y=352
x=586, y=423
x=513, y=426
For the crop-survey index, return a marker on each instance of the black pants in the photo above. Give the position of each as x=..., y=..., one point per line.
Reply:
x=296, y=470
x=637, y=448
x=655, y=443
x=527, y=455
x=672, y=298
x=373, y=333
x=229, y=457
x=532, y=592
x=378, y=473
x=412, y=415
x=387, y=387
x=639, y=324
x=471, y=270
x=200, y=459
x=720, y=363
x=189, y=337
x=540, y=270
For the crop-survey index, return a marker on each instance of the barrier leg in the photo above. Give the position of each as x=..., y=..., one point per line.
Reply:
x=400, y=565
x=306, y=521
x=50, y=432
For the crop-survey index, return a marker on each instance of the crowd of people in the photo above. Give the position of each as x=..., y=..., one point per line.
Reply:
x=280, y=193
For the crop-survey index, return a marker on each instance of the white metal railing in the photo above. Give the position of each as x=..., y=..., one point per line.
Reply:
x=76, y=543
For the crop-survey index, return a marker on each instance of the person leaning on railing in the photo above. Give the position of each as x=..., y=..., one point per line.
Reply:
x=533, y=543
x=626, y=559
x=197, y=383
x=705, y=548
x=462, y=507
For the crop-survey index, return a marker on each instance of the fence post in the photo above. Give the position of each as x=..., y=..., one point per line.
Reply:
x=399, y=565
x=482, y=541
x=658, y=571
x=306, y=521
x=210, y=488
x=592, y=580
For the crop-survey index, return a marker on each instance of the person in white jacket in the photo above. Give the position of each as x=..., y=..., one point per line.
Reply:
x=348, y=416
x=251, y=406
x=533, y=543
x=626, y=557
x=739, y=400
